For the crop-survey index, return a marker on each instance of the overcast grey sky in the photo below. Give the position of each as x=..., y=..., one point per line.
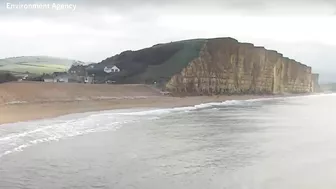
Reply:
x=300, y=29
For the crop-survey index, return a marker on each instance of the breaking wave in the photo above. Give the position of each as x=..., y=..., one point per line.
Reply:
x=18, y=136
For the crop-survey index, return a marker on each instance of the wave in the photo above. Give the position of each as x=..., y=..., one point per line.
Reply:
x=214, y=105
x=191, y=108
x=26, y=134
x=16, y=137
x=53, y=136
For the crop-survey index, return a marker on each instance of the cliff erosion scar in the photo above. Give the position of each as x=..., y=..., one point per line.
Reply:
x=225, y=66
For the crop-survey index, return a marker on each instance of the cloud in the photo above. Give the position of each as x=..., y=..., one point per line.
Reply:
x=101, y=28
x=199, y=6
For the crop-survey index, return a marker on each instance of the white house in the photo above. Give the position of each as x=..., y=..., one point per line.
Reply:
x=48, y=80
x=113, y=69
x=61, y=79
x=88, y=79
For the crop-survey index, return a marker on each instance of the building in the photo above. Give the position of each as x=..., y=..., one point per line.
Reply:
x=89, y=79
x=112, y=69
x=62, y=79
x=115, y=69
x=48, y=78
x=57, y=77
x=22, y=77
x=78, y=70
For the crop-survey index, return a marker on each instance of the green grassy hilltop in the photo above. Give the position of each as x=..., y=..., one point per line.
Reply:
x=155, y=63
x=35, y=64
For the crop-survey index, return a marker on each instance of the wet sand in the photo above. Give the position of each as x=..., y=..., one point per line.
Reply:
x=31, y=101
x=30, y=111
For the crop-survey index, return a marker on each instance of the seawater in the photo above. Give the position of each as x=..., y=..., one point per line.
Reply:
x=285, y=142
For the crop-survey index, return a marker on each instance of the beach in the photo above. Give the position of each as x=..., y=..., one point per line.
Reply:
x=284, y=142
x=120, y=136
x=32, y=100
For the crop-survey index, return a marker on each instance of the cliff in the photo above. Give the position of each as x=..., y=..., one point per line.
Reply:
x=226, y=66
x=214, y=66
x=315, y=83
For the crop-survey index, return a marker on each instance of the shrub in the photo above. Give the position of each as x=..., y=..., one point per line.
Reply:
x=7, y=77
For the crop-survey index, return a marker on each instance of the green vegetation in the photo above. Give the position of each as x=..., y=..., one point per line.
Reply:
x=155, y=64
x=35, y=64
x=175, y=63
x=7, y=77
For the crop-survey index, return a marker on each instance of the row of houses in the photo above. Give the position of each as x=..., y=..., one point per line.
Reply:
x=80, y=74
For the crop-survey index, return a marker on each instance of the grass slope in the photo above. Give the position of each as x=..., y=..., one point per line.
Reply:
x=157, y=63
x=35, y=64
x=175, y=63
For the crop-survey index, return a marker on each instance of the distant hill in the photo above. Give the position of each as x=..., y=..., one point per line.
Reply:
x=36, y=64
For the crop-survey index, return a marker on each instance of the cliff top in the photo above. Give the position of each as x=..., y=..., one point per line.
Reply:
x=159, y=62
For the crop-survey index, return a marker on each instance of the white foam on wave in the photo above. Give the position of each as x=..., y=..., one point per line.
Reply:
x=26, y=134
x=208, y=105
x=54, y=136
x=188, y=108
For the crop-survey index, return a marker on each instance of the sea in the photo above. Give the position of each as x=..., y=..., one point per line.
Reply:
x=278, y=143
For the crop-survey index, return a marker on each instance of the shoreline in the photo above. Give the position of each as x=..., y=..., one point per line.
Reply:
x=21, y=102
x=21, y=112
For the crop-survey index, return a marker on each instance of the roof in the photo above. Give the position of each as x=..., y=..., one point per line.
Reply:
x=59, y=73
x=63, y=76
x=47, y=77
x=109, y=69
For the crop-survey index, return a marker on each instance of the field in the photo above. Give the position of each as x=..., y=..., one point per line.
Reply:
x=35, y=64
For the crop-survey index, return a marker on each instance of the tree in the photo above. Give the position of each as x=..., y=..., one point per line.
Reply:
x=7, y=77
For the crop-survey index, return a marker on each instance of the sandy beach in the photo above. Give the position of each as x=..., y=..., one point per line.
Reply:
x=31, y=101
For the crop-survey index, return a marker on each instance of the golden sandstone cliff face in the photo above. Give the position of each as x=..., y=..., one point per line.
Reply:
x=226, y=66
